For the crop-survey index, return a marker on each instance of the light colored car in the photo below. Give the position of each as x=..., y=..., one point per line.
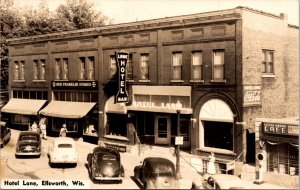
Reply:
x=221, y=181
x=63, y=151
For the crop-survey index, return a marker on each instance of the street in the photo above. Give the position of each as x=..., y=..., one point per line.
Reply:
x=39, y=169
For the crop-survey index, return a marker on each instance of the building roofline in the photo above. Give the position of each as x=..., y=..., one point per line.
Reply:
x=144, y=25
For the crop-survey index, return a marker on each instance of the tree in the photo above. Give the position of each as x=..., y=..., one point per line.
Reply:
x=80, y=14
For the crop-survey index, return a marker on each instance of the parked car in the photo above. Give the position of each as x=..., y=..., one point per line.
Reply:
x=104, y=164
x=156, y=173
x=221, y=181
x=63, y=151
x=5, y=134
x=28, y=144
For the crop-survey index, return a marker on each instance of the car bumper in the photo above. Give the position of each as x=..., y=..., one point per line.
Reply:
x=28, y=153
x=63, y=161
x=108, y=178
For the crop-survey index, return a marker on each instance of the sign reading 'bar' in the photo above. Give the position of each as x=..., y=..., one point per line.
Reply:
x=121, y=59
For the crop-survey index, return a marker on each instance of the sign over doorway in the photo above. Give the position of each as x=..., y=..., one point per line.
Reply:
x=121, y=59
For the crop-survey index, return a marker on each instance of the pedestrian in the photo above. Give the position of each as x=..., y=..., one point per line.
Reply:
x=63, y=131
x=43, y=129
x=34, y=127
x=211, y=164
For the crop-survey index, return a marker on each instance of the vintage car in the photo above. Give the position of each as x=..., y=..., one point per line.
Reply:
x=28, y=144
x=63, y=151
x=5, y=134
x=221, y=181
x=156, y=173
x=104, y=164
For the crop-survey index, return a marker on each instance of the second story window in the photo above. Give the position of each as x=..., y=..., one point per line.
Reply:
x=218, y=65
x=144, y=67
x=176, y=66
x=87, y=68
x=61, y=69
x=19, y=70
x=129, y=68
x=268, y=62
x=113, y=66
x=39, y=69
x=196, y=65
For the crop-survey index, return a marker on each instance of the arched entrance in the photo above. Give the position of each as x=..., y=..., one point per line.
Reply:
x=216, y=123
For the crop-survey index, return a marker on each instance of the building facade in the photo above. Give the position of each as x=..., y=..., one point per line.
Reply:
x=209, y=75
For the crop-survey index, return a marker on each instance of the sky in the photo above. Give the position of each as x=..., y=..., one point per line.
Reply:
x=122, y=11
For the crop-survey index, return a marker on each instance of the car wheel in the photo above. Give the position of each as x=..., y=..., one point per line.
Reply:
x=17, y=156
x=74, y=165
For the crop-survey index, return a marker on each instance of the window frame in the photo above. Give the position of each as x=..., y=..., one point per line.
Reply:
x=216, y=64
x=144, y=68
x=176, y=69
x=267, y=63
x=200, y=65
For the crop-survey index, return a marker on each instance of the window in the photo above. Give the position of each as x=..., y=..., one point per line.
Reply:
x=39, y=69
x=65, y=70
x=218, y=65
x=129, y=68
x=197, y=65
x=61, y=69
x=113, y=65
x=144, y=67
x=57, y=69
x=19, y=72
x=177, y=64
x=87, y=68
x=82, y=68
x=268, y=62
x=16, y=73
x=91, y=68
x=218, y=134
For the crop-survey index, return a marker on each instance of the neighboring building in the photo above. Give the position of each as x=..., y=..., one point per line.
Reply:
x=215, y=71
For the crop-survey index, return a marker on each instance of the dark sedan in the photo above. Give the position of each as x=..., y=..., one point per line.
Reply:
x=156, y=173
x=5, y=134
x=104, y=164
x=28, y=144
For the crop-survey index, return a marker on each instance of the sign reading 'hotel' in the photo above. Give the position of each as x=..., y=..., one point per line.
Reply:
x=121, y=59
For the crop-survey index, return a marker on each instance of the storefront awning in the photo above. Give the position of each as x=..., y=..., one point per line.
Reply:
x=23, y=106
x=65, y=109
x=111, y=107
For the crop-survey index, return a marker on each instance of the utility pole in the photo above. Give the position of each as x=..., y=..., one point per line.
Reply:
x=178, y=175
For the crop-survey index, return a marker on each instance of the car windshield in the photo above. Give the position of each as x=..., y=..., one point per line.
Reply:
x=28, y=138
x=65, y=145
x=164, y=170
x=109, y=157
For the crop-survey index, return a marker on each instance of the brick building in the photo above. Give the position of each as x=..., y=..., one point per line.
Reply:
x=215, y=72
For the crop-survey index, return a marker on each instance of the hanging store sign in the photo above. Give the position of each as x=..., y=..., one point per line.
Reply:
x=282, y=129
x=252, y=96
x=56, y=85
x=121, y=59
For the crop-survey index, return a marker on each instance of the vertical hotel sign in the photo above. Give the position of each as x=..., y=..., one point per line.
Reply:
x=252, y=96
x=121, y=59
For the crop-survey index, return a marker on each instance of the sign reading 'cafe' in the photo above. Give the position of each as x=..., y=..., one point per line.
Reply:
x=121, y=59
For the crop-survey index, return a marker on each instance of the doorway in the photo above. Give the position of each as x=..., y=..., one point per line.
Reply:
x=162, y=131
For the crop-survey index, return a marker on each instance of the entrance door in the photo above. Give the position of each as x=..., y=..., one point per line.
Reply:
x=162, y=130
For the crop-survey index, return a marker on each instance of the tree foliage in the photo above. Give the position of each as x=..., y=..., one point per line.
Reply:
x=22, y=22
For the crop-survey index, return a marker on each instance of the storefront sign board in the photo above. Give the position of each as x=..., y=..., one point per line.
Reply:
x=121, y=59
x=282, y=129
x=55, y=85
x=178, y=140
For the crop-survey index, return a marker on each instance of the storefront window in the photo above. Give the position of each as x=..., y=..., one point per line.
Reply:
x=22, y=119
x=218, y=134
x=72, y=124
x=282, y=158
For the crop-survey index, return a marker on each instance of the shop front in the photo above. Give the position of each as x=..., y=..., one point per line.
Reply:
x=218, y=134
x=21, y=113
x=154, y=113
x=76, y=115
x=277, y=140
